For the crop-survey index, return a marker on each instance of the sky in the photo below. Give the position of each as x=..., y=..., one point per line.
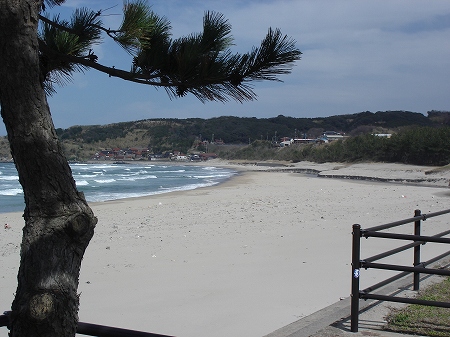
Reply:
x=372, y=55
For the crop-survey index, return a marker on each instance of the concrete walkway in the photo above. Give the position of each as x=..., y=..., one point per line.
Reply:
x=334, y=320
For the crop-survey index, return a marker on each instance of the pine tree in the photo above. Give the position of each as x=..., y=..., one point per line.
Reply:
x=37, y=53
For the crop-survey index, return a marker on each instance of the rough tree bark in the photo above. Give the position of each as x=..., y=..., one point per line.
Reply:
x=58, y=222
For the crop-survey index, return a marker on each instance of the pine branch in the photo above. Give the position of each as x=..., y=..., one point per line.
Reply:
x=275, y=56
x=219, y=89
x=139, y=26
x=89, y=62
x=200, y=64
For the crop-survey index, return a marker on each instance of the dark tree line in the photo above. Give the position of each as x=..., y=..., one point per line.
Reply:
x=414, y=145
x=167, y=134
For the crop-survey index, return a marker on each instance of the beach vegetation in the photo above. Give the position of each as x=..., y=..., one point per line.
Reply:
x=424, y=320
x=39, y=53
x=412, y=145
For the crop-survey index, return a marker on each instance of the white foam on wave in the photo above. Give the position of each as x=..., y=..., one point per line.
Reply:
x=134, y=178
x=105, y=181
x=214, y=176
x=99, y=197
x=102, y=182
x=209, y=168
x=187, y=187
x=172, y=171
x=99, y=167
x=11, y=191
x=207, y=177
x=9, y=178
x=86, y=175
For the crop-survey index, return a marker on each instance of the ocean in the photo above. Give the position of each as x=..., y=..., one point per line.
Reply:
x=108, y=181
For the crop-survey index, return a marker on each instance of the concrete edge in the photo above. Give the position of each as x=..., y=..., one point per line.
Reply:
x=340, y=311
x=317, y=321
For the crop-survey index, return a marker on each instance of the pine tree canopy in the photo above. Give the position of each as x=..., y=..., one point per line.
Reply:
x=199, y=63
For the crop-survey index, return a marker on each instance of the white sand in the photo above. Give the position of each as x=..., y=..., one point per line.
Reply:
x=241, y=259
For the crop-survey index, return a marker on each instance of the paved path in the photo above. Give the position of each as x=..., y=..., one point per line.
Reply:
x=334, y=320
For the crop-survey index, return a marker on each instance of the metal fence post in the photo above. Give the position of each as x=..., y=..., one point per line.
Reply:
x=416, y=251
x=356, y=264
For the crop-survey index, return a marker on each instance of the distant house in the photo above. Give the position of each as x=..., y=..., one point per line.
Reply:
x=104, y=155
x=207, y=156
x=304, y=140
x=332, y=135
x=133, y=153
x=322, y=140
x=179, y=156
x=195, y=157
x=286, y=142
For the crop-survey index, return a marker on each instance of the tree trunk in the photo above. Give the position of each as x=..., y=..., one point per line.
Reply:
x=58, y=222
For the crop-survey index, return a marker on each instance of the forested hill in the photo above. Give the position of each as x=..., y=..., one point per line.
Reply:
x=180, y=134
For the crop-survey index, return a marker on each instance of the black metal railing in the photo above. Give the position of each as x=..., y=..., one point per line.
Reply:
x=417, y=268
x=97, y=330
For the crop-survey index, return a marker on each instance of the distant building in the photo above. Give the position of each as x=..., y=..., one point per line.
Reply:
x=332, y=135
x=207, y=156
x=304, y=140
x=286, y=142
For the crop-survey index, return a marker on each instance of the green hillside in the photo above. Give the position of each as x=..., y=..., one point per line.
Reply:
x=160, y=135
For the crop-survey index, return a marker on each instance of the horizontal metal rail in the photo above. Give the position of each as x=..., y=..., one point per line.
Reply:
x=402, y=248
x=98, y=330
x=4, y=320
x=405, y=221
x=384, y=282
x=437, y=258
x=406, y=237
x=402, y=274
x=107, y=331
x=415, y=269
x=405, y=300
x=393, y=251
x=394, y=224
x=418, y=267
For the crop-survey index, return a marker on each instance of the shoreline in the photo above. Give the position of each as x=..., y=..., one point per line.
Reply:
x=429, y=176
x=417, y=174
x=391, y=173
x=241, y=258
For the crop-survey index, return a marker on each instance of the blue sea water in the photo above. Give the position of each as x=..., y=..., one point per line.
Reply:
x=102, y=182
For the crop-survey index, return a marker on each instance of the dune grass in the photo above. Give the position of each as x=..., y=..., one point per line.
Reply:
x=424, y=320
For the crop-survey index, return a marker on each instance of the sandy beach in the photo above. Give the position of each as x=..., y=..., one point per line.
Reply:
x=244, y=258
